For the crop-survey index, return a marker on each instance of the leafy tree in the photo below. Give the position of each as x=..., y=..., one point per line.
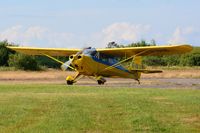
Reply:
x=112, y=45
x=4, y=53
x=141, y=43
x=153, y=42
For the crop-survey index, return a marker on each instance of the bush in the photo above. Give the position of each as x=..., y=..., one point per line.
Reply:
x=190, y=60
x=154, y=61
x=24, y=62
x=172, y=60
x=3, y=56
x=49, y=63
x=4, y=53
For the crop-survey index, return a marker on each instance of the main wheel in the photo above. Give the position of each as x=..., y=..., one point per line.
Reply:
x=100, y=82
x=69, y=82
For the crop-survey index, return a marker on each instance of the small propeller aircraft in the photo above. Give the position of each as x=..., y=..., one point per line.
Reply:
x=100, y=63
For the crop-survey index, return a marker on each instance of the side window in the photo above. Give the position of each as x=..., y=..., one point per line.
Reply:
x=111, y=60
x=106, y=58
x=102, y=57
x=97, y=55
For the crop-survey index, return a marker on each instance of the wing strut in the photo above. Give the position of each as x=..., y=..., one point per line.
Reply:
x=57, y=60
x=118, y=63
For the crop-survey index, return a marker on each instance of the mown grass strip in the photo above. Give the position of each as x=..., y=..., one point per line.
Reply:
x=59, y=108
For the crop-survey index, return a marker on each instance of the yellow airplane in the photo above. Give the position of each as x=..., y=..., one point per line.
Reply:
x=100, y=63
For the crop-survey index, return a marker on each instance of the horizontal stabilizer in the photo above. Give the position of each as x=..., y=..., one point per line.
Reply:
x=146, y=71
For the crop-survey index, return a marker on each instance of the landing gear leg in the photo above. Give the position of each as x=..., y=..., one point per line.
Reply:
x=138, y=81
x=71, y=80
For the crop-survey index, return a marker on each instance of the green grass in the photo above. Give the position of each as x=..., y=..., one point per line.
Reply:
x=60, y=108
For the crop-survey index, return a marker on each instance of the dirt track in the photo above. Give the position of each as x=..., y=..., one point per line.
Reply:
x=167, y=79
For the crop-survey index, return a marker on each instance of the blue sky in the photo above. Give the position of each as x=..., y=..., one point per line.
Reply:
x=80, y=23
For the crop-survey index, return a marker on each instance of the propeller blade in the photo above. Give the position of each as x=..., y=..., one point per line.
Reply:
x=67, y=65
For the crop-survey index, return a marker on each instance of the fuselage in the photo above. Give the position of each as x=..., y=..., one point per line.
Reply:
x=91, y=63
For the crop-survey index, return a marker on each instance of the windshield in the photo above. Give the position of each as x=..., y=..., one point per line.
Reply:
x=89, y=51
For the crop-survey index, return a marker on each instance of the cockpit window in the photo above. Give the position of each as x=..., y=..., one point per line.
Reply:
x=89, y=51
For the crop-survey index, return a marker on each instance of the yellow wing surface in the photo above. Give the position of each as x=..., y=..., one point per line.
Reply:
x=147, y=51
x=47, y=51
x=129, y=51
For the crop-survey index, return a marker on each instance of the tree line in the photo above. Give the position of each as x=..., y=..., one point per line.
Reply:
x=10, y=58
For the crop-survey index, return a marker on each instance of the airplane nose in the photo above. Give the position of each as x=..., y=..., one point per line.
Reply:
x=78, y=61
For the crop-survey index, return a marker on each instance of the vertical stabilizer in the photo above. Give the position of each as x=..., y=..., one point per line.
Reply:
x=137, y=64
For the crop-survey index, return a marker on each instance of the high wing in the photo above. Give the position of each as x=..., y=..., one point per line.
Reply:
x=47, y=51
x=147, y=51
x=129, y=51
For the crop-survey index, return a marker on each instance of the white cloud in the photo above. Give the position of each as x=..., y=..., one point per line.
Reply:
x=122, y=32
x=181, y=35
x=37, y=36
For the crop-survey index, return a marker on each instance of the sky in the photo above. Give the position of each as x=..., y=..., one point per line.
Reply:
x=82, y=23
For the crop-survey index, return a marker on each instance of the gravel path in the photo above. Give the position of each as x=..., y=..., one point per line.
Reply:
x=170, y=79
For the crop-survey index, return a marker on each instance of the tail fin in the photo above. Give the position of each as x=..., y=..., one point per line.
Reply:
x=137, y=64
x=137, y=68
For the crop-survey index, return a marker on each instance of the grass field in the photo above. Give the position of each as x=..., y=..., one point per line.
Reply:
x=60, y=108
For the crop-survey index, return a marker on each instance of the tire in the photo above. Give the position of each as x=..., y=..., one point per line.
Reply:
x=100, y=82
x=70, y=82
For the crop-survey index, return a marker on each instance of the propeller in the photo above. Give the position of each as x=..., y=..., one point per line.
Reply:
x=66, y=65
